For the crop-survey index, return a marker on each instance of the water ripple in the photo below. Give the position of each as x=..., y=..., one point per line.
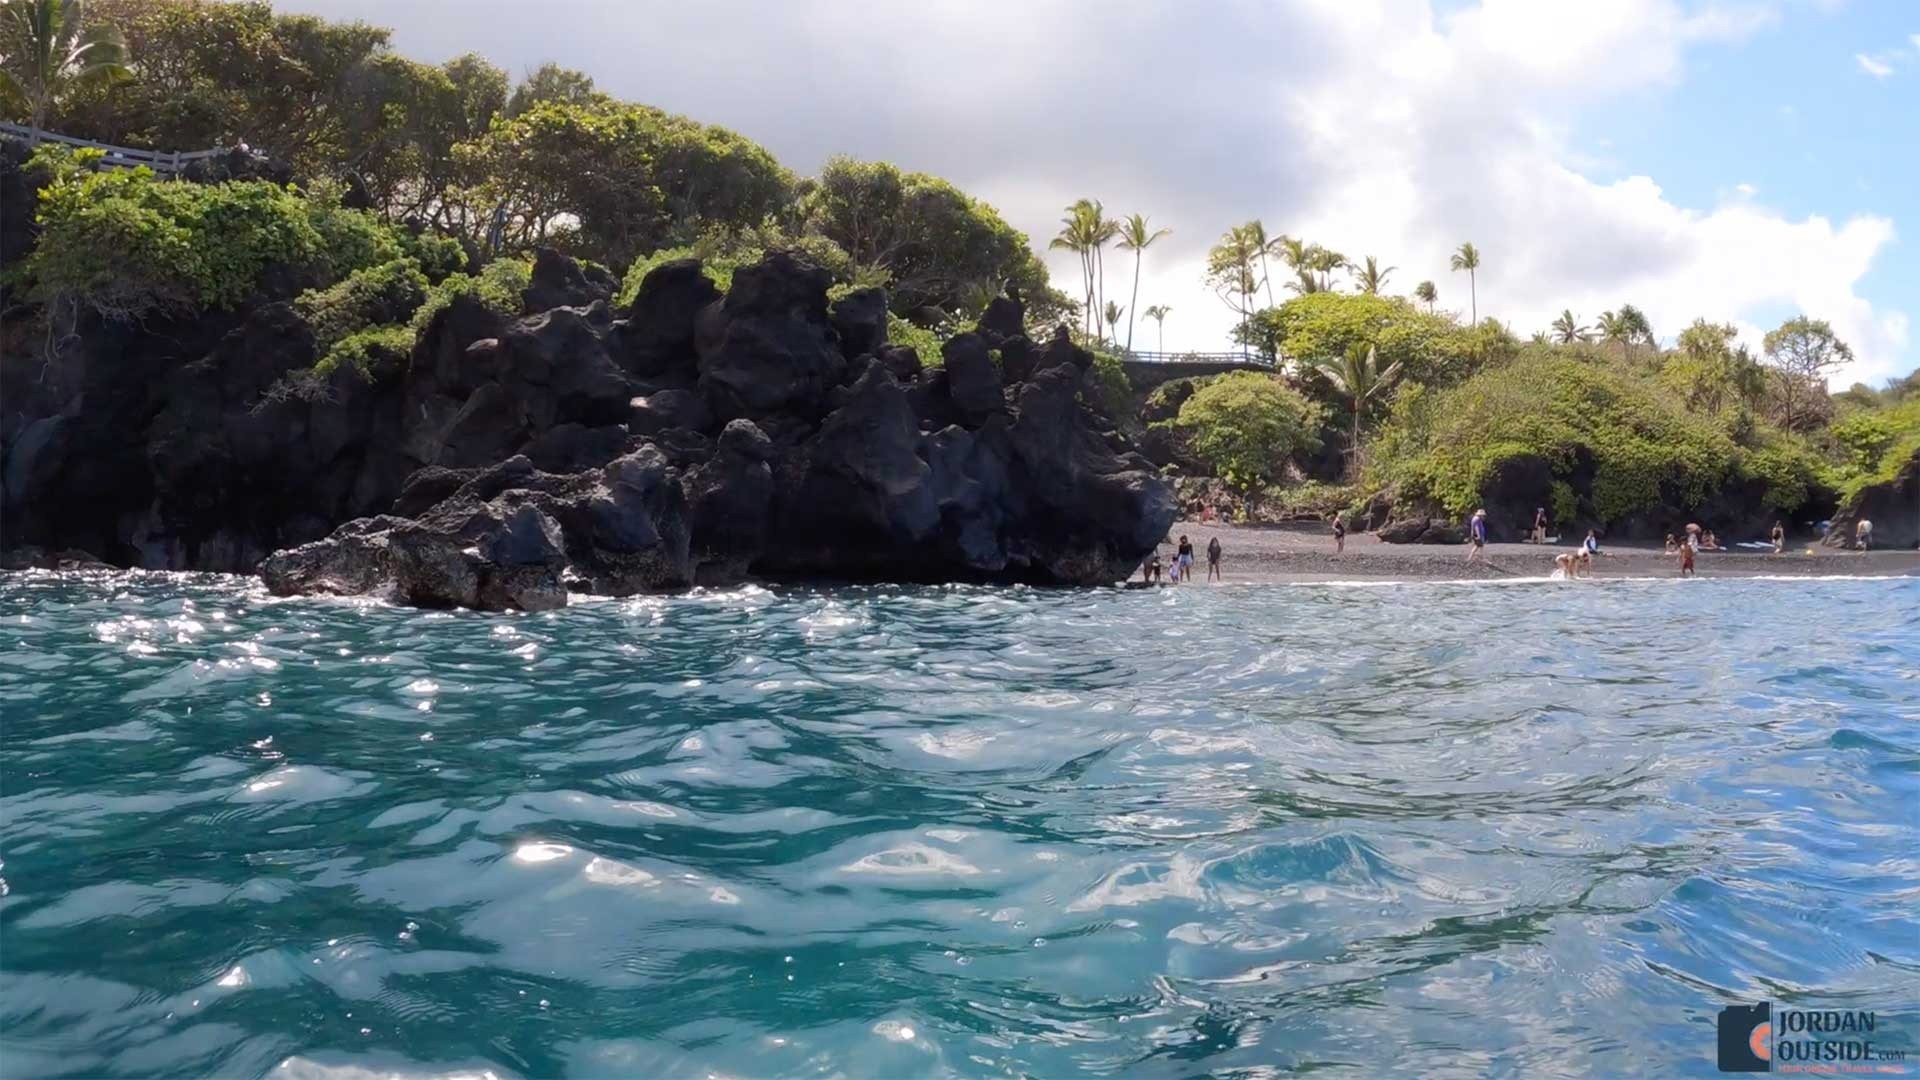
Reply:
x=1399, y=830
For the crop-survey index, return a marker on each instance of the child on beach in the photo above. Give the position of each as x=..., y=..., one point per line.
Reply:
x=1779, y=538
x=1339, y=535
x=1673, y=546
x=1686, y=560
x=1151, y=572
x=1213, y=559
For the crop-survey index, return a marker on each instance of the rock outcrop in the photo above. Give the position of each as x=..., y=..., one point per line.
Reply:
x=507, y=463
x=1893, y=507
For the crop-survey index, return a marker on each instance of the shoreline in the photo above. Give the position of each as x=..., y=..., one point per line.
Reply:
x=1304, y=553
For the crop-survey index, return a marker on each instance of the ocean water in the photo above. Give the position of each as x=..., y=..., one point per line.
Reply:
x=1530, y=830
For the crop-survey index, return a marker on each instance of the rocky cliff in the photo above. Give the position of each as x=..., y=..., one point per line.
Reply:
x=689, y=438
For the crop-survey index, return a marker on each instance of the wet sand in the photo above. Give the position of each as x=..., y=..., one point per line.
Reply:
x=1304, y=552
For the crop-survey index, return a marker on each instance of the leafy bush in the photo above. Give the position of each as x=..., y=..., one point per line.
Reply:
x=721, y=253
x=368, y=348
x=924, y=342
x=384, y=294
x=498, y=285
x=1900, y=424
x=1638, y=445
x=439, y=255
x=127, y=243
x=1246, y=425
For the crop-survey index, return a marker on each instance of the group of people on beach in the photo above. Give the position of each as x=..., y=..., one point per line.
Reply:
x=1180, y=567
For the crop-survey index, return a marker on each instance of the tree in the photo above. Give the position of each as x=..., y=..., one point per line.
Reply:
x=1567, y=329
x=1801, y=351
x=1135, y=237
x=552, y=83
x=1710, y=372
x=1358, y=377
x=1158, y=313
x=1255, y=234
x=1312, y=265
x=1112, y=311
x=1370, y=277
x=936, y=245
x=1626, y=328
x=1230, y=270
x=49, y=50
x=1467, y=257
x=1426, y=294
x=1246, y=424
x=620, y=181
x=1432, y=349
x=1076, y=235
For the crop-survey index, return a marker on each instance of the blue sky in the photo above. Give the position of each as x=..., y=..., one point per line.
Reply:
x=1793, y=113
x=1730, y=159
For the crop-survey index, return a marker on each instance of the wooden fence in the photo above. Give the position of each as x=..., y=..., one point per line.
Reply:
x=163, y=162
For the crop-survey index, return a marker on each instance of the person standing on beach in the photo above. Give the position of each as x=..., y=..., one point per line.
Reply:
x=1477, y=537
x=1540, y=525
x=1339, y=535
x=1213, y=559
x=1863, y=534
x=1686, y=559
x=1184, y=556
x=1779, y=538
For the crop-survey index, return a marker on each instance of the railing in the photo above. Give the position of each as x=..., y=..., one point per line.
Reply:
x=1249, y=357
x=162, y=162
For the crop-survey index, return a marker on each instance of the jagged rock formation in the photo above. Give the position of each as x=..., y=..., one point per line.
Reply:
x=688, y=438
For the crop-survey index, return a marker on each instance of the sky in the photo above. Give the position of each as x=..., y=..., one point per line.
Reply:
x=1739, y=160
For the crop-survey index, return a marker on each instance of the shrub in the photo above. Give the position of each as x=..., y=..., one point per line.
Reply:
x=924, y=342
x=440, y=256
x=126, y=243
x=377, y=295
x=367, y=349
x=1640, y=445
x=1247, y=424
x=498, y=285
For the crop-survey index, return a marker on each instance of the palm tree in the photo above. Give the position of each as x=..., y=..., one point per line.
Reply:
x=1101, y=231
x=1255, y=235
x=1370, y=277
x=53, y=50
x=1358, y=377
x=1467, y=258
x=1076, y=236
x=1638, y=329
x=1158, y=313
x=1085, y=231
x=1134, y=237
x=1567, y=329
x=1312, y=265
x=1113, y=312
x=1616, y=330
x=1231, y=270
x=1426, y=294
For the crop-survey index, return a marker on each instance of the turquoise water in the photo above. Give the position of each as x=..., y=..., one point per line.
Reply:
x=1440, y=830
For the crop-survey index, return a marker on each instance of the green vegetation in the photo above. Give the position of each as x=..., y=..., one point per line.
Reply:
x=475, y=163
x=1246, y=425
x=51, y=50
x=1640, y=447
x=125, y=243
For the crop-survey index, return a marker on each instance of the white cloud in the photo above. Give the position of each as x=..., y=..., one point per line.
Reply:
x=1374, y=126
x=1877, y=68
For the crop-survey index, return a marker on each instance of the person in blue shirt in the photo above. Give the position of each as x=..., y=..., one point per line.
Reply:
x=1591, y=545
x=1477, y=536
